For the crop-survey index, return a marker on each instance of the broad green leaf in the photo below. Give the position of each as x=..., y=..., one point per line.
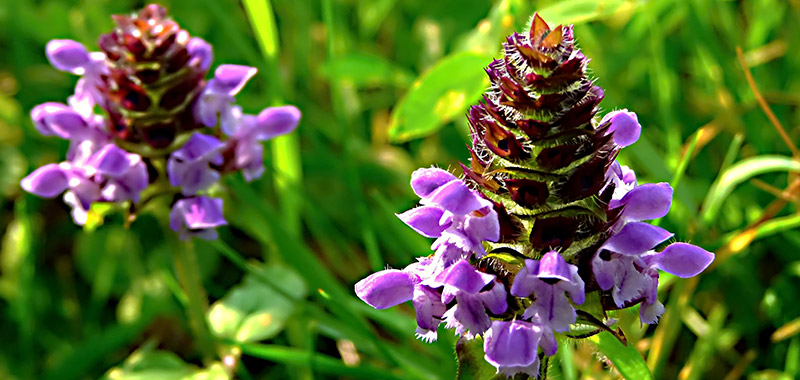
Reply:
x=441, y=94
x=471, y=364
x=769, y=374
x=254, y=310
x=580, y=11
x=626, y=359
x=147, y=363
x=14, y=255
x=738, y=173
x=365, y=70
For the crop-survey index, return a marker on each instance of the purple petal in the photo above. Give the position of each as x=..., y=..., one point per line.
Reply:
x=425, y=181
x=512, y=344
x=385, y=289
x=68, y=55
x=201, y=52
x=456, y=197
x=628, y=175
x=210, y=105
x=234, y=122
x=682, y=259
x=46, y=181
x=192, y=177
x=111, y=161
x=230, y=79
x=636, y=238
x=60, y=120
x=625, y=126
x=483, y=228
x=199, y=145
x=495, y=298
x=137, y=177
x=276, y=121
x=525, y=281
x=470, y=313
x=427, y=306
x=197, y=213
x=129, y=184
x=553, y=266
x=463, y=276
x=648, y=201
x=649, y=312
x=249, y=157
x=604, y=271
x=575, y=286
x=424, y=220
x=40, y=115
x=548, y=342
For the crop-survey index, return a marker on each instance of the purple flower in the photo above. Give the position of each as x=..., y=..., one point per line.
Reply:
x=392, y=287
x=148, y=80
x=108, y=174
x=474, y=292
x=197, y=217
x=626, y=263
x=457, y=216
x=189, y=166
x=624, y=125
x=248, y=131
x=513, y=347
x=73, y=57
x=549, y=280
x=219, y=94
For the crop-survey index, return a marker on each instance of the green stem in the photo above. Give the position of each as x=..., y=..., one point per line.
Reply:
x=287, y=167
x=188, y=273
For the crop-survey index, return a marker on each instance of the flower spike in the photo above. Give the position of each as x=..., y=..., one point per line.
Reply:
x=543, y=217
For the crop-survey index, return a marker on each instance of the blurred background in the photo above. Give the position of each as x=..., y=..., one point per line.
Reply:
x=383, y=86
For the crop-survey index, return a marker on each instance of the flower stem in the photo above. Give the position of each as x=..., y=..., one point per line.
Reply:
x=188, y=273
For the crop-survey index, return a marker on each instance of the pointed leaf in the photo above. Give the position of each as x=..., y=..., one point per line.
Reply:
x=441, y=94
x=626, y=359
x=738, y=173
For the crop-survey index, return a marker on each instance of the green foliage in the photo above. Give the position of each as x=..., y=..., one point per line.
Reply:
x=439, y=95
x=253, y=311
x=471, y=365
x=625, y=358
x=383, y=86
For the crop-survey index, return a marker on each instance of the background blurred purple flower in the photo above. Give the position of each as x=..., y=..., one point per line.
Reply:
x=189, y=166
x=197, y=217
x=148, y=79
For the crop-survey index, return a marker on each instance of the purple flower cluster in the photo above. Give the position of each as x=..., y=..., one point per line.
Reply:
x=521, y=241
x=626, y=264
x=460, y=219
x=164, y=130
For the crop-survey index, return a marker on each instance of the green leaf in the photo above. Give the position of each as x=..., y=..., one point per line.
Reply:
x=365, y=70
x=254, y=310
x=149, y=364
x=738, y=173
x=442, y=93
x=626, y=359
x=471, y=365
x=580, y=11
